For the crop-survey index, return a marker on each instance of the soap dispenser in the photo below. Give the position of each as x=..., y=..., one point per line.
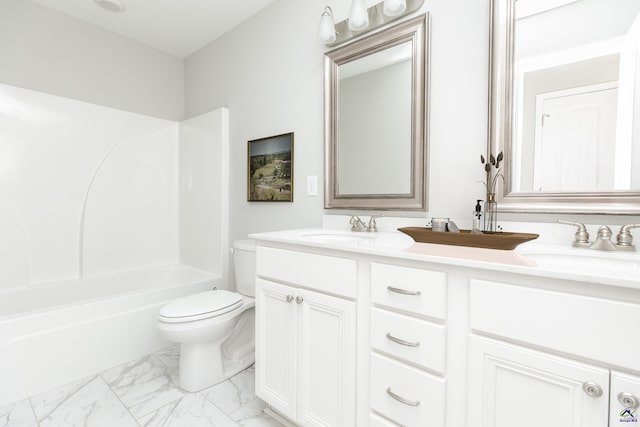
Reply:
x=477, y=219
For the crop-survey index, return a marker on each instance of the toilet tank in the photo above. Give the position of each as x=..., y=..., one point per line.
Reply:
x=244, y=261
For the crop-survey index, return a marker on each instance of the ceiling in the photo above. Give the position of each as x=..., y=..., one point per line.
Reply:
x=176, y=27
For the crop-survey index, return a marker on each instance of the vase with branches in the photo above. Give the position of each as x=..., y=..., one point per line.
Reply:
x=493, y=171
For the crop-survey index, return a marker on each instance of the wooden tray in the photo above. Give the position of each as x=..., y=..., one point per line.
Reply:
x=504, y=241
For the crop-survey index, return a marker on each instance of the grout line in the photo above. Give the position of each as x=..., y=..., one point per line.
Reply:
x=33, y=411
x=126, y=408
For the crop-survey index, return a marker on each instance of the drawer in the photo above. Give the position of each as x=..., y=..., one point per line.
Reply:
x=324, y=273
x=423, y=394
x=408, y=338
x=409, y=289
x=590, y=327
x=378, y=421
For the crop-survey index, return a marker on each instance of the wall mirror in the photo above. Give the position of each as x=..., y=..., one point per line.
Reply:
x=375, y=120
x=565, y=104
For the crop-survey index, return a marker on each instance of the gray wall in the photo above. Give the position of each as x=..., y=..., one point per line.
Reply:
x=47, y=51
x=268, y=72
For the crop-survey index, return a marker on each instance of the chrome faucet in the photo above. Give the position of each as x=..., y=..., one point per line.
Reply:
x=624, y=239
x=358, y=225
x=603, y=240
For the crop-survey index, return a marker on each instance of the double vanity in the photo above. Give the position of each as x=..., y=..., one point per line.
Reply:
x=373, y=329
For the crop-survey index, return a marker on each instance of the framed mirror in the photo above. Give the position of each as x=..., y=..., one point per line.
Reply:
x=565, y=105
x=375, y=120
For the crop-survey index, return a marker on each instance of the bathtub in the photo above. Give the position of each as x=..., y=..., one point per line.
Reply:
x=56, y=333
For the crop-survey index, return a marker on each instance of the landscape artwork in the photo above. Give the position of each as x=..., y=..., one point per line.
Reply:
x=270, y=169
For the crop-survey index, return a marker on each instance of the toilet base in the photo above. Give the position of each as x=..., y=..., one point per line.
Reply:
x=201, y=366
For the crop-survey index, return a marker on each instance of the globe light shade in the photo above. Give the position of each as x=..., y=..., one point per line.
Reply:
x=327, y=28
x=394, y=7
x=358, y=17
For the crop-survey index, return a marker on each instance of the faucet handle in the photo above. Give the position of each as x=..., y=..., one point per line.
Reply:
x=624, y=238
x=581, y=236
x=372, y=223
x=356, y=223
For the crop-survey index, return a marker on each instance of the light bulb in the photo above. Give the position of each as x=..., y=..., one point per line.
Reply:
x=394, y=7
x=359, y=16
x=326, y=28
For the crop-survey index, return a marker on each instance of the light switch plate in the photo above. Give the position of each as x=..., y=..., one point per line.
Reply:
x=312, y=185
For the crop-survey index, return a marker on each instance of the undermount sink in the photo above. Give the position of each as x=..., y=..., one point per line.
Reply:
x=337, y=236
x=590, y=263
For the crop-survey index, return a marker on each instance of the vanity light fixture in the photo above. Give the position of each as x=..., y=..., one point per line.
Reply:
x=362, y=20
x=327, y=28
x=358, y=16
x=111, y=5
x=394, y=7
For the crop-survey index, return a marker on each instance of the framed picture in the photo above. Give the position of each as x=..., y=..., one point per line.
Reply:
x=270, y=169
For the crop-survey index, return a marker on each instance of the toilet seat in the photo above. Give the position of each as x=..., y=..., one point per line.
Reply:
x=202, y=305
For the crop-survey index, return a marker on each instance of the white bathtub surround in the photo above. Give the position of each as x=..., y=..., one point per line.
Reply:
x=94, y=202
x=142, y=393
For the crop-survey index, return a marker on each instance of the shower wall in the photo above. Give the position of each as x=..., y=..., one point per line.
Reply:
x=84, y=189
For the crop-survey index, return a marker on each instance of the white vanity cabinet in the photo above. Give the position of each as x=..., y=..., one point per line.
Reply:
x=305, y=339
x=408, y=342
x=543, y=379
x=366, y=334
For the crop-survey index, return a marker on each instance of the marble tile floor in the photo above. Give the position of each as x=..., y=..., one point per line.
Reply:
x=142, y=393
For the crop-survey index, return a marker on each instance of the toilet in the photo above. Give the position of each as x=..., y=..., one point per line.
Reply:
x=215, y=328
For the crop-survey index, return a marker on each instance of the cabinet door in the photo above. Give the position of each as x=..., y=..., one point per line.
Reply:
x=511, y=386
x=276, y=336
x=327, y=350
x=625, y=400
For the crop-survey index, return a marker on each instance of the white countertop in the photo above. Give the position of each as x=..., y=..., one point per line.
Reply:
x=531, y=258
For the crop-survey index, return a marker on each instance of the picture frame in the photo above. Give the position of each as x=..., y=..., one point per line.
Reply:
x=270, y=169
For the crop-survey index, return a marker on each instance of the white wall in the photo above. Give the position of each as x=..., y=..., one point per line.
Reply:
x=268, y=72
x=84, y=189
x=45, y=50
x=204, y=194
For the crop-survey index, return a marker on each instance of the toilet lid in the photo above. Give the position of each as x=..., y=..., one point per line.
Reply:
x=199, y=306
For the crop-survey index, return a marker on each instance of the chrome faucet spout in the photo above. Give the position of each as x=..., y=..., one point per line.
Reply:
x=603, y=241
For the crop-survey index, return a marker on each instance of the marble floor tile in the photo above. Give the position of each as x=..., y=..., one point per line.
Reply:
x=192, y=410
x=144, y=385
x=233, y=393
x=170, y=356
x=18, y=415
x=252, y=415
x=88, y=402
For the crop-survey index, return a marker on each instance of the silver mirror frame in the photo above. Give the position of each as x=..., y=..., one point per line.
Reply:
x=414, y=30
x=501, y=71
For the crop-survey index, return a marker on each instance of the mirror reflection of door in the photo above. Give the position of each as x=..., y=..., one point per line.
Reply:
x=575, y=139
x=577, y=65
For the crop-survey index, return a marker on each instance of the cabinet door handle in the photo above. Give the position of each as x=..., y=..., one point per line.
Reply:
x=628, y=400
x=592, y=389
x=289, y=298
x=401, y=341
x=299, y=300
x=402, y=399
x=403, y=291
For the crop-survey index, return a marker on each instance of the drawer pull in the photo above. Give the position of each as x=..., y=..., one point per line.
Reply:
x=402, y=399
x=401, y=341
x=289, y=298
x=403, y=291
